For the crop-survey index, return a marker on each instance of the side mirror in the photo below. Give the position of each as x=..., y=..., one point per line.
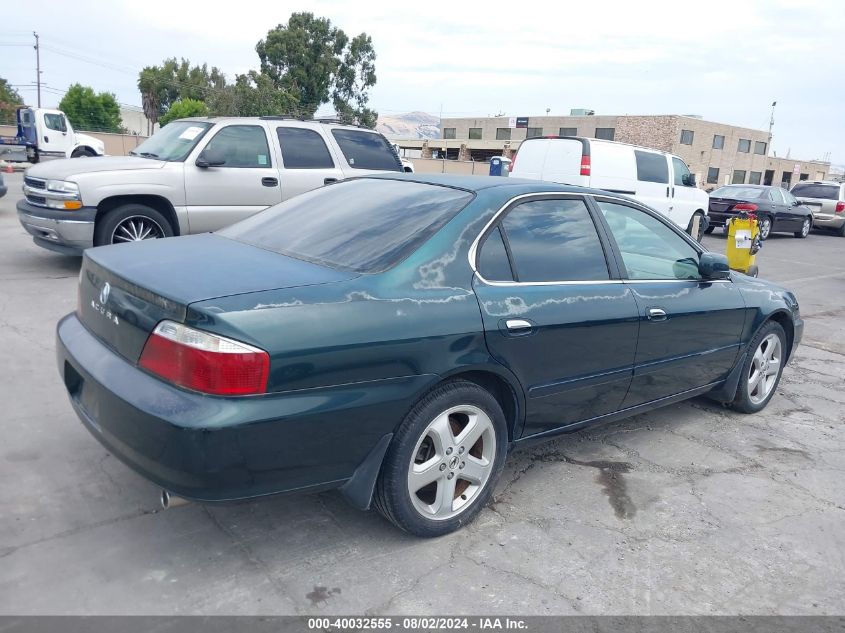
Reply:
x=688, y=180
x=210, y=157
x=714, y=266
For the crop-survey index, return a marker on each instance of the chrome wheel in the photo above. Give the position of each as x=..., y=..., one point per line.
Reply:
x=135, y=229
x=765, y=366
x=805, y=228
x=452, y=462
x=765, y=228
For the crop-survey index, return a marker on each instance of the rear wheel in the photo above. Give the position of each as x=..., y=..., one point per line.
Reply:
x=131, y=223
x=697, y=237
x=710, y=229
x=444, y=461
x=83, y=152
x=765, y=225
x=841, y=231
x=805, y=229
x=762, y=369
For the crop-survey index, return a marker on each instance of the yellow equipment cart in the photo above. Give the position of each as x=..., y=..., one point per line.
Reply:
x=743, y=243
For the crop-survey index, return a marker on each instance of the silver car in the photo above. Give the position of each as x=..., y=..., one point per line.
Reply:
x=193, y=176
x=826, y=199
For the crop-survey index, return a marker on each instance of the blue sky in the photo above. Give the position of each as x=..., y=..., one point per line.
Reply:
x=724, y=60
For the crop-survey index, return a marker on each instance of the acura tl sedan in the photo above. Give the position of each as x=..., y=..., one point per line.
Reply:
x=394, y=336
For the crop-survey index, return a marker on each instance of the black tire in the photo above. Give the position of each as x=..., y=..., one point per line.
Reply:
x=807, y=226
x=743, y=401
x=841, y=231
x=392, y=497
x=698, y=237
x=753, y=271
x=760, y=221
x=83, y=152
x=104, y=232
x=710, y=229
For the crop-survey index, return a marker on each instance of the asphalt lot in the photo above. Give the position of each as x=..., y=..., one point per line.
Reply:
x=691, y=509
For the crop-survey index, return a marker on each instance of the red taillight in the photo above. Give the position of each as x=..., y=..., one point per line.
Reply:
x=205, y=362
x=585, y=165
x=840, y=207
x=748, y=207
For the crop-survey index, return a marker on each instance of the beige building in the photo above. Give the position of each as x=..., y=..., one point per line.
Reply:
x=717, y=153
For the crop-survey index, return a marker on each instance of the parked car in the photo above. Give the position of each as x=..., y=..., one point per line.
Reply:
x=3, y=188
x=193, y=176
x=826, y=199
x=659, y=180
x=407, y=165
x=44, y=134
x=776, y=209
x=394, y=337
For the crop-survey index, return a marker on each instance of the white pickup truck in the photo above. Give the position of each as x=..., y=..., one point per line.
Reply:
x=193, y=176
x=44, y=134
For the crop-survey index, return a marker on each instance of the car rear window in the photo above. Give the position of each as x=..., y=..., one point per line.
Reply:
x=365, y=225
x=738, y=193
x=825, y=192
x=366, y=150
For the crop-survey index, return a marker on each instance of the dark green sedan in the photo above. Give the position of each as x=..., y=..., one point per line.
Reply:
x=393, y=337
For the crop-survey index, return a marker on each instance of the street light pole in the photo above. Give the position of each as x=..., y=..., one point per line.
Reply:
x=37, y=67
x=771, y=124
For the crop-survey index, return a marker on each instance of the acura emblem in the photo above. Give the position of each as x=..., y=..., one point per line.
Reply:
x=104, y=293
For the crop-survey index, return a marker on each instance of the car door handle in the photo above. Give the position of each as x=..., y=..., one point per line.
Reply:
x=270, y=182
x=328, y=181
x=518, y=325
x=656, y=314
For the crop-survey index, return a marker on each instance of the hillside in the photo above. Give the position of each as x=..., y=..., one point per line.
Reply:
x=409, y=125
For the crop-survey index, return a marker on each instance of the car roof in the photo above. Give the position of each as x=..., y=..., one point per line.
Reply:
x=281, y=120
x=817, y=182
x=504, y=184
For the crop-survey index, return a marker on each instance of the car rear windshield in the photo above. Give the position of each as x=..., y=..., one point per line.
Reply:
x=366, y=150
x=810, y=190
x=365, y=225
x=738, y=193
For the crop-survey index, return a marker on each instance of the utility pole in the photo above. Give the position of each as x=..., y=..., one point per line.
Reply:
x=771, y=125
x=37, y=67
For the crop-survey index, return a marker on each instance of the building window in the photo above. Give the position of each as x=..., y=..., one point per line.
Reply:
x=686, y=137
x=713, y=176
x=739, y=177
x=760, y=148
x=744, y=146
x=568, y=131
x=718, y=141
x=503, y=134
x=533, y=132
x=448, y=132
x=475, y=133
x=755, y=177
x=605, y=133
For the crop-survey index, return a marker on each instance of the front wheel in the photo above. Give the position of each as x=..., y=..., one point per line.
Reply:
x=83, y=153
x=444, y=460
x=765, y=225
x=131, y=223
x=805, y=229
x=762, y=370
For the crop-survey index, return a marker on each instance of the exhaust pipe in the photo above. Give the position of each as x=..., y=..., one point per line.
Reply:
x=171, y=501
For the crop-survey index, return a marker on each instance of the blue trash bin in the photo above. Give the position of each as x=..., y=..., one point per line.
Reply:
x=499, y=166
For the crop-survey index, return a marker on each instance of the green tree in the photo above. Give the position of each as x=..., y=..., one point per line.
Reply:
x=313, y=61
x=87, y=110
x=162, y=86
x=9, y=102
x=252, y=94
x=182, y=109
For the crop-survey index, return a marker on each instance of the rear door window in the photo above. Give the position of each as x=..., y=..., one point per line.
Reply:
x=366, y=150
x=652, y=167
x=303, y=149
x=493, y=261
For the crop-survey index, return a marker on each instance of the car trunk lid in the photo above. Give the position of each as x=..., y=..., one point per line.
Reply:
x=126, y=290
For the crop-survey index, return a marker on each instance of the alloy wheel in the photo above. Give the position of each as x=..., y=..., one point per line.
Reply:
x=805, y=228
x=452, y=462
x=765, y=228
x=765, y=366
x=136, y=229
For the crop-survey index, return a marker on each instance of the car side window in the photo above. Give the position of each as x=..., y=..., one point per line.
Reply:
x=649, y=248
x=652, y=167
x=680, y=168
x=776, y=195
x=303, y=149
x=55, y=122
x=790, y=199
x=366, y=150
x=554, y=240
x=493, y=261
x=242, y=146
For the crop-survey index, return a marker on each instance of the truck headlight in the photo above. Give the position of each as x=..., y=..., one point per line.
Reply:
x=62, y=186
x=68, y=195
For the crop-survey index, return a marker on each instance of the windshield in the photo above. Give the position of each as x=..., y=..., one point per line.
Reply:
x=738, y=193
x=365, y=225
x=174, y=141
x=811, y=190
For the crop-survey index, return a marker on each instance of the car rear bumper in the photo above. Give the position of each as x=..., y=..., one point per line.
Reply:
x=67, y=232
x=214, y=448
x=719, y=219
x=828, y=220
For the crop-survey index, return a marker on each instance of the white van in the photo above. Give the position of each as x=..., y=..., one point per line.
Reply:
x=657, y=179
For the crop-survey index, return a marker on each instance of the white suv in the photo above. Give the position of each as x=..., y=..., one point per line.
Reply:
x=193, y=176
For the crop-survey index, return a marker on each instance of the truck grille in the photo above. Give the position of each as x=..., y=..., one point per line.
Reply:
x=35, y=183
x=37, y=200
